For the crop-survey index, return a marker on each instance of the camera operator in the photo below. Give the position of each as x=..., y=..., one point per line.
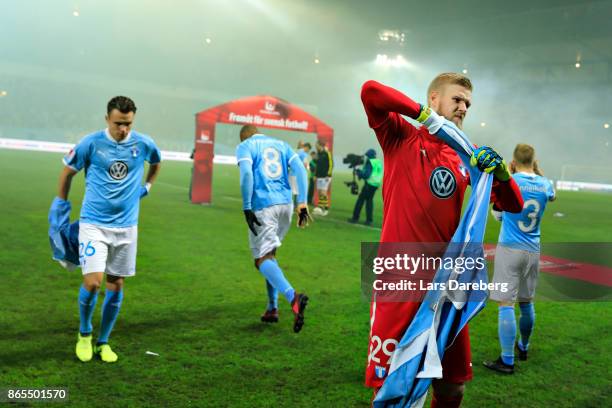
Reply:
x=372, y=173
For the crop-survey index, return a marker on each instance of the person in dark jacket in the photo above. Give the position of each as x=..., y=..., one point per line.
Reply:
x=312, y=168
x=323, y=174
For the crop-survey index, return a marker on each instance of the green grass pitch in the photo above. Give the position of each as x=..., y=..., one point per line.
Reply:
x=196, y=301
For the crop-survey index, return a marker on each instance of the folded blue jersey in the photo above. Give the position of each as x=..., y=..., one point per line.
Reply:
x=63, y=236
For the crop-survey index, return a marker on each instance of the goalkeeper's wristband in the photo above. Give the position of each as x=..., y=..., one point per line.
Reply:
x=424, y=114
x=430, y=119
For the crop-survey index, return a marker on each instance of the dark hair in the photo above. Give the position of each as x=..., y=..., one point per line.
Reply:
x=308, y=145
x=122, y=103
x=247, y=131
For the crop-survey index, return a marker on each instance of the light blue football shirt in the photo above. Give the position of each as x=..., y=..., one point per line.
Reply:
x=522, y=230
x=270, y=162
x=113, y=176
x=302, y=155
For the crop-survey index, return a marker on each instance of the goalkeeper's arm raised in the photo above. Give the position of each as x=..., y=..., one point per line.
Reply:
x=380, y=100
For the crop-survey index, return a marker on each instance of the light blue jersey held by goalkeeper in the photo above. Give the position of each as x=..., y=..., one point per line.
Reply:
x=113, y=176
x=270, y=159
x=522, y=230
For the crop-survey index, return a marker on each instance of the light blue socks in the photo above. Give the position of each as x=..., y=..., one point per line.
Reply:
x=507, y=333
x=272, y=296
x=274, y=274
x=526, y=322
x=87, y=305
x=110, y=311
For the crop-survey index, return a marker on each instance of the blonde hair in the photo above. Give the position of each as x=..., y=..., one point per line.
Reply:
x=449, y=78
x=524, y=154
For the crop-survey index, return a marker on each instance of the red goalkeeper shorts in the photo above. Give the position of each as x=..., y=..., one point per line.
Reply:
x=388, y=323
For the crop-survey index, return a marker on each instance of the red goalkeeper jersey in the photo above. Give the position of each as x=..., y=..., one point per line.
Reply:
x=423, y=188
x=424, y=179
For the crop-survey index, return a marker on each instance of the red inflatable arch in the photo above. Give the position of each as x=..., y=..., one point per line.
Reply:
x=263, y=111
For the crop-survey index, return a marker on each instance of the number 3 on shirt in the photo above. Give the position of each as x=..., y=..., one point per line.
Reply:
x=272, y=165
x=533, y=216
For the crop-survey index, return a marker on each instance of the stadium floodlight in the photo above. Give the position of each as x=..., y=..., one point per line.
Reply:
x=578, y=60
x=3, y=93
x=207, y=40
x=386, y=61
x=392, y=36
x=483, y=124
x=316, y=60
x=606, y=125
x=76, y=13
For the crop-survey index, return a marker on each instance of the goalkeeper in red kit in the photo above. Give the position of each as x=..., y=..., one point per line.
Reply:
x=423, y=189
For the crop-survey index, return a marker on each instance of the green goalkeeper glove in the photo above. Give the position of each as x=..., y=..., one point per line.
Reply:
x=488, y=160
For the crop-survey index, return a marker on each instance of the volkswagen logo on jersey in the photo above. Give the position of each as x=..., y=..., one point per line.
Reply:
x=118, y=170
x=442, y=182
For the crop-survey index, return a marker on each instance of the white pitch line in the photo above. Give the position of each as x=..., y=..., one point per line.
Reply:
x=172, y=185
x=232, y=198
x=348, y=223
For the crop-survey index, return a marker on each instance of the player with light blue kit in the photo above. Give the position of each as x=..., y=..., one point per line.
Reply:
x=113, y=160
x=517, y=258
x=267, y=204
